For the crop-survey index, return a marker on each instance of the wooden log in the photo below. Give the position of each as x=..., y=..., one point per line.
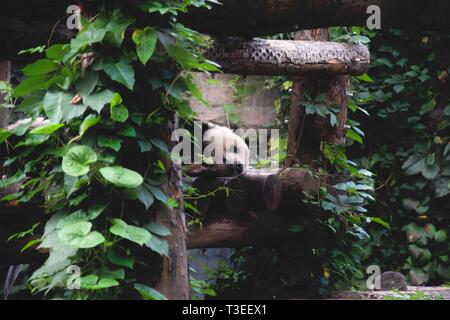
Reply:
x=249, y=18
x=257, y=190
x=254, y=229
x=284, y=57
x=267, y=187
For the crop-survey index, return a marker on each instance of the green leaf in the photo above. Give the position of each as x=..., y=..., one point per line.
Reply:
x=354, y=136
x=116, y=100
x=440, y=236
x=57, y=52
x=120, y=260
x=48, y=129
x=159, y=245
x=157, y=192
x=430, y=172
x=77, y=160
x=159, y=144
x=4, y=134
x=365, y=77
x=194, y=90
x=158, y=229
x=122, y=177
x=86, y=85
x=30, y=85
x=113, y=143
x=92, y=282
x=134, y=234
x=148, y=293
x=413, y=165
x=121, y=71
x=88, y=37
x=40, y=67
x=79, y=235
x=77, y=216
x=381, y=222
x=145, y=41
x=119, y=113
x=58, y=106
x=145, y=197
x=399, y=88
x=97, y=101
x=94, y=211
x=33, y=140
x=128, y=131
x=144, y=145
x=116, y=28
x=88, y=122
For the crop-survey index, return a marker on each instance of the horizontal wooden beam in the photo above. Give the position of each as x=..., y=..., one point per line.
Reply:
x=283, y=57
x=250, y=18
x=266, y=229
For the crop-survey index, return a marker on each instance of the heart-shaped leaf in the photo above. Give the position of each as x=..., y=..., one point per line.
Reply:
x=121, y=71
x=122, y=177
x=77, y=160
x=135, y=234
x=79, y=235
x=145, y=41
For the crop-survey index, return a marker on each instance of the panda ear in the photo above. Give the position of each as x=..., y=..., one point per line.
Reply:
x=206, y=126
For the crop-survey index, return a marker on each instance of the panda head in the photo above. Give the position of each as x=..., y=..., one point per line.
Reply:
x=231, y=148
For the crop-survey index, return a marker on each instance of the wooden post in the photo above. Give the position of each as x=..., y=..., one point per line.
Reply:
x=174, y=279
x=306, y=132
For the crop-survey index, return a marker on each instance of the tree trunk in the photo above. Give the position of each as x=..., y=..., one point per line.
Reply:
x=5, y=75
x=174, y=279
x=306, y=132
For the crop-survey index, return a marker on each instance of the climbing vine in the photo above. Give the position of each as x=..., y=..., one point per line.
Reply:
x=99, y=164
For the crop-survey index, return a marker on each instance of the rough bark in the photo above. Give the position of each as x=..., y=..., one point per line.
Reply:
x=251, y=18
x=253, y=229
x=255, y=190
x=14, y=218
x=306, y=132
x=174, y=279
x=284, y=57
x=5, y=75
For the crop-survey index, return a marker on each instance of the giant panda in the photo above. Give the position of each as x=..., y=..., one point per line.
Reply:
x=234, y=150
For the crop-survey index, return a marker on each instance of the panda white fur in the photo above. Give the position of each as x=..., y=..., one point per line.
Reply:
x=234, y=149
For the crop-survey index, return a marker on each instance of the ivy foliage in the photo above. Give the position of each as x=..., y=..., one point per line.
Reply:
x=407, y=94
x=98, y=163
